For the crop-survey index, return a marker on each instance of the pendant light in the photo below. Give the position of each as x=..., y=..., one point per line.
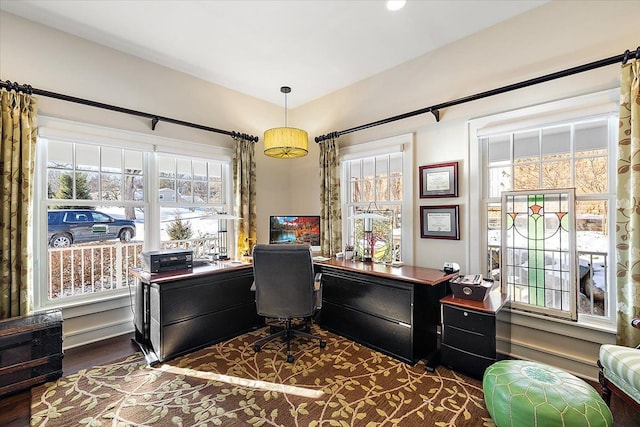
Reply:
x=286, y=142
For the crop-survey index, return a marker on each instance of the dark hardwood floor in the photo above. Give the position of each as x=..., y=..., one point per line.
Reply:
x=15, y=410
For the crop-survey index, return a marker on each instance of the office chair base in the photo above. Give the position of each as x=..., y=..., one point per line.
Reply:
x=288, y=332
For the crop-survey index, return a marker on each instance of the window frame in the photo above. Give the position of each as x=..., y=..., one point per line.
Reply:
x=398, y=144
x=69, y=131
x=603, y=103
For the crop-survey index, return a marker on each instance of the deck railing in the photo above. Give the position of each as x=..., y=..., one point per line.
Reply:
x=594, y=289
x=92, y=268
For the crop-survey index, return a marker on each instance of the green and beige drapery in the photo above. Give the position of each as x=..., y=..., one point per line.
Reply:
x=17, y=153
x=628, y=208
x=330, y=209
x=244, y=194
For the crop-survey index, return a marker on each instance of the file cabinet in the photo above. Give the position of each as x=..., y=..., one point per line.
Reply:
x=468, y=341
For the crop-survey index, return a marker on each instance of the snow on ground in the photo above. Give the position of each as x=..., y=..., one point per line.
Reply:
x=201, y=223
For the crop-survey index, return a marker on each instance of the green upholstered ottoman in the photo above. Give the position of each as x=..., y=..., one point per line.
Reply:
x=519, y=393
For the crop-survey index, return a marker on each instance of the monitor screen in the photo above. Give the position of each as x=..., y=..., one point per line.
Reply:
x=285, y=229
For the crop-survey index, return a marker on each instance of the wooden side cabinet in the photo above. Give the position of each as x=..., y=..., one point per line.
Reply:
x=30, y=351
x=469, y=333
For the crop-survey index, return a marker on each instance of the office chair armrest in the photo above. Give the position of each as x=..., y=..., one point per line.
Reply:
x=317, y=281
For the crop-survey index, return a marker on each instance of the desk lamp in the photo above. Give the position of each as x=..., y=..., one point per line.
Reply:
x=223, y=240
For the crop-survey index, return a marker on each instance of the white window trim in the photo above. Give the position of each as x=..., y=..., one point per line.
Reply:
x=584, y=106
x=396, y=144
x=71, y=131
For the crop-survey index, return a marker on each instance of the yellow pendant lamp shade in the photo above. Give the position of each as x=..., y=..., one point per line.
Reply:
x=286, y=142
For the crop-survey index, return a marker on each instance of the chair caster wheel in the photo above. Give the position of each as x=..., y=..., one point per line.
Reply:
x=256, y=348
x=290, y=358
x=323, y=344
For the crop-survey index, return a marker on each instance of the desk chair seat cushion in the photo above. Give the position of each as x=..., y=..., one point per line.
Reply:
x=520, y=393
x=621, y=366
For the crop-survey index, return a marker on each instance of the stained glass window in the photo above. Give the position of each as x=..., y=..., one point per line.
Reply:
x=540, y=261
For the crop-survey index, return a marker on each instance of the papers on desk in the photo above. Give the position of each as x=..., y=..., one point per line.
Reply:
x=470, y=279
x=320, y=258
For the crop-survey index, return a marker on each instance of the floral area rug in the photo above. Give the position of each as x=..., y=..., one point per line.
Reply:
x=228, y=384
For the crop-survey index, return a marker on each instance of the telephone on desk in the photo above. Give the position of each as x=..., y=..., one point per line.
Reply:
x=451, y=267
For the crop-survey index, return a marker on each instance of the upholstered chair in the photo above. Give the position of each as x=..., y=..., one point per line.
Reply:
x=620, y=372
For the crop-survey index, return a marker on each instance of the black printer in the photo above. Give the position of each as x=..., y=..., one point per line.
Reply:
x=167, y=260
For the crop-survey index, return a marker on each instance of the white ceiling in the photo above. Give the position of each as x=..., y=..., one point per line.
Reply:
x=255, y=47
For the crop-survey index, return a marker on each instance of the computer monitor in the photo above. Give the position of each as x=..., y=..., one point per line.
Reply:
x=287, y=229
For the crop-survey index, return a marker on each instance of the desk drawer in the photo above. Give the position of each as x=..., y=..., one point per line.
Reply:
x=384, y=300
x=468, y=363
x=383, y=335
x=482, y=345
x=469, y=320
x=199, y=296
x=201, y=331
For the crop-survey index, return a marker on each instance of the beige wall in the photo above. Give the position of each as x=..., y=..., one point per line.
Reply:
x=553, y=37
x=550, y=38
x=58, y=62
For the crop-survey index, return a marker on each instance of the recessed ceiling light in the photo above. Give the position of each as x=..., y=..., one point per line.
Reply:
x=395, y=4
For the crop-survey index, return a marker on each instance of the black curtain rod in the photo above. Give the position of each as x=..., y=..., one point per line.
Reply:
x=155, y=119
x=435, y=109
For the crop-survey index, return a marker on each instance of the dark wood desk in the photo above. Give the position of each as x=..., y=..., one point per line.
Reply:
x=179, y=312
x=395, y=310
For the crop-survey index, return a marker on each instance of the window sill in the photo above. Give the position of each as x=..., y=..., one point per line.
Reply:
x=89, y=304
x=581, y=330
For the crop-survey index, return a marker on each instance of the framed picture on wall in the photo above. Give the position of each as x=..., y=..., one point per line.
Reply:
x=440, y=222
x=439, y=180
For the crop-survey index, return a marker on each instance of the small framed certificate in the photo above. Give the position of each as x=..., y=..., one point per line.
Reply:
x=439, y=180
x=440, y=222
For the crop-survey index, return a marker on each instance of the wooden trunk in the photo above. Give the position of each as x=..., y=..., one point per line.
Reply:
x=30, y=351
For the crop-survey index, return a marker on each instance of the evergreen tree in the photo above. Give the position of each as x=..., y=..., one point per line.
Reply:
x=66, y=189
x=179, y=229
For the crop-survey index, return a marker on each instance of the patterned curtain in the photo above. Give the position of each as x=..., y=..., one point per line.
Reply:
x=17, y=153
x=330, y=209
x=628, y=209
x=244, y=194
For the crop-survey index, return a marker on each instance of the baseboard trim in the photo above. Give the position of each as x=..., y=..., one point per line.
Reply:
x=576, y=365
x=99, y=333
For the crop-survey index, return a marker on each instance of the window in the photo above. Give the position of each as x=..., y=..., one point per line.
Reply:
x=537, y=156
x=100, y=212
x=376, y=191
x=191, y=193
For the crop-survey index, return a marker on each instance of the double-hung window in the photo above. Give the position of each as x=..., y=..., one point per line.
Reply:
x=104, y=195
x=376, y=199
x=192, y=193
x=531, y=167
